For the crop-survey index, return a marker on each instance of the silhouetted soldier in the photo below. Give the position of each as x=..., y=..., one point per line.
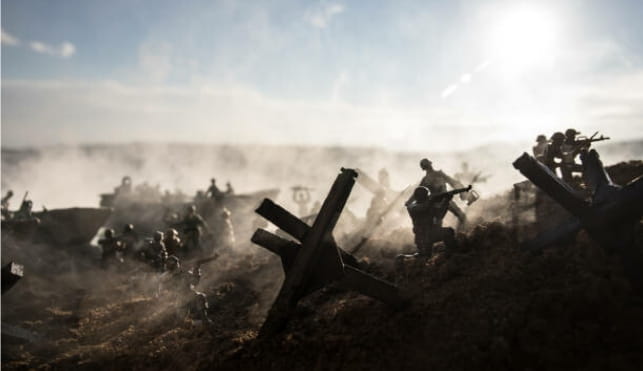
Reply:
x=182, y=286
x=173, y=243
x=213, y=191
x=25, y=211
x=436, y=182
x=540, y=149
x=228, y=189
x=111, y=247
x=554, y=155
x=155, y=253
x=569, y=150
x=192, y=225
x=426, y=214
x=129, y=240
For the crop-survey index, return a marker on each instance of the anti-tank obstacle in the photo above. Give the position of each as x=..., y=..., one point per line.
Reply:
x=315, y=261
x=609, y=216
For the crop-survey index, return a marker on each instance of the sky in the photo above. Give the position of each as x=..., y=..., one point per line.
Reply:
x=403, y=75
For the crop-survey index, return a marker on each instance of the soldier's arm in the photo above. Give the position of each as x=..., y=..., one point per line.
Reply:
x=454, y=183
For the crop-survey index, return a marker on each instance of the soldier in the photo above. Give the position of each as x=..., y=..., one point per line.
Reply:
x=111, y=247
x=540, y=149
x=129, y=239
x=213, y=191
x=155, y=253
x=182, y=286
x=228, y=189
x=6, y=215
x=553, y=152
x=436, y=182
x=25, y=211
x=569, y=150
x=224, y=234
x=426, y=214
x=172, y=242
x=192, y=225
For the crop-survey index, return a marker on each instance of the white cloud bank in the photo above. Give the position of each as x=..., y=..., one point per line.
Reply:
x=49, y=112
x=64, y=50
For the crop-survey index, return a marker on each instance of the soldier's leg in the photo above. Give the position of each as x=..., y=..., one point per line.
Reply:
x=462, y=217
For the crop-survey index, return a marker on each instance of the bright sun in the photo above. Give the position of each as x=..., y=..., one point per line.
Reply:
x=523, y=38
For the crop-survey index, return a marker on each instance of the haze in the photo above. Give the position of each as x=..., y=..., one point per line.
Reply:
x=411, y=75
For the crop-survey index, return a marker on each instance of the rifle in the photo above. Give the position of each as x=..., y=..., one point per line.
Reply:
x=450, y=193
x=584, y=141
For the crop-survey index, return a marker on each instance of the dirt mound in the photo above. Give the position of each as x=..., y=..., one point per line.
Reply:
x=486, y=306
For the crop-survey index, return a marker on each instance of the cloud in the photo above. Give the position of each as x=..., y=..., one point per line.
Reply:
x=321, y=15
x=64, y=50
x=8, y=39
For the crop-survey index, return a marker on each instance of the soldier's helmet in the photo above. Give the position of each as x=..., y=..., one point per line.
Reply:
x=225, y=213
x=420, y=193
x=558, y=137
x=109, y=233
x=128, y=228
x=173, y=262
x=126, y=180
x=158, y=236
x=9, y=193
x=213, y=180
x=425, y=163
x=191, y=209
x=570, y=133
x=171, y=233
x=541, y=139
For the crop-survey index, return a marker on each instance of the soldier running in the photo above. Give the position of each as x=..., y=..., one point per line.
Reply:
x=436, y=182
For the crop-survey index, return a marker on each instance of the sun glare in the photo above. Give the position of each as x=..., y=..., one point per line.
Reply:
x=523, y=38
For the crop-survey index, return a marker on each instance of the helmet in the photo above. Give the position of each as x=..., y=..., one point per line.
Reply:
x=213, y=180
x=128, y=228
x=126, y=180
x=10, y=193
x=425, y=163
x=109, y=233
x=158, y=235
x=558, y=136
x=420, y=192
x=571, y=133
x=225, y=213
x=171, y=232
x=192, y=208
x=541, y=138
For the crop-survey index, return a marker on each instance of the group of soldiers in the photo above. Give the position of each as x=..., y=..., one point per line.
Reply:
x=164, y=251
x=561, y=150
x=428, y=206
x=24, y=213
